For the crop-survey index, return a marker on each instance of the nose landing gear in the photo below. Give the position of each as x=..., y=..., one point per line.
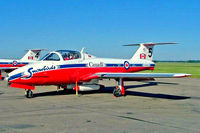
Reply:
x=29, y=93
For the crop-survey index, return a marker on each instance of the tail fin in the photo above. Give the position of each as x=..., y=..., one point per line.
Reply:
x=33, y=55
x=145, y=51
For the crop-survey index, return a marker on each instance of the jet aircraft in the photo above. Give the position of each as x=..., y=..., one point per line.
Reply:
x=9, y=65
x=80, y=71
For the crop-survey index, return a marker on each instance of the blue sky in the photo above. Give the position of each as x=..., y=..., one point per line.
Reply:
x=101, y=26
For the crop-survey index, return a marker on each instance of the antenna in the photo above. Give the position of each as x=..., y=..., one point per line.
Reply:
x=82, y=49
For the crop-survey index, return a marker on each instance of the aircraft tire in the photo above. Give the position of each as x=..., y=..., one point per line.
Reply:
x=117, y=92
x=29, y=94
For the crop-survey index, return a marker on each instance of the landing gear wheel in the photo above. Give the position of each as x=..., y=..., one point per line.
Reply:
x=117, y=92
x=29, y=94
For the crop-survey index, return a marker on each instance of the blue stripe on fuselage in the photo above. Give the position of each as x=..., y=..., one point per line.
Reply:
x=137, y=65
x=21, y=63
x=122, y=65
x=114, y=65
x=72, y=65
x=106, y=65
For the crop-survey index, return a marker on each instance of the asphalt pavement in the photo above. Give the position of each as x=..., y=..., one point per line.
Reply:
x=162, y=106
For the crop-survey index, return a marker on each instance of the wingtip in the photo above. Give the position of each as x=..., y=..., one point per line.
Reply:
x=182, y=75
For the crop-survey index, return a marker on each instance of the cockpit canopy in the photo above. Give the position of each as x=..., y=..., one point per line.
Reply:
x=61, y=55
x=69, y=54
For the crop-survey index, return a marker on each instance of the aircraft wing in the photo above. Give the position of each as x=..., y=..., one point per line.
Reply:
x=142, y=75
x=136, y=75
x=6, y=68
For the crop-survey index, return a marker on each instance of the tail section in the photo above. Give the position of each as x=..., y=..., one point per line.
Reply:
x=33, y=55
x=145, y=51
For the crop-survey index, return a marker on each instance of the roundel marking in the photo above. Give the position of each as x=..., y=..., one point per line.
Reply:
x=15, y=63
x=126, y=65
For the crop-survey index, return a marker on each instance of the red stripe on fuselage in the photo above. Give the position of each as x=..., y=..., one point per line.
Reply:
x=10, y=65
x=71, y=75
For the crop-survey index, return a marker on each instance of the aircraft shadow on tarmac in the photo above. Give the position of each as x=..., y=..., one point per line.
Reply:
x=110, y=90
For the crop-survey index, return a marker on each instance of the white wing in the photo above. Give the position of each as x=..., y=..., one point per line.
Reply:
x=6, y=68
x=142, y=75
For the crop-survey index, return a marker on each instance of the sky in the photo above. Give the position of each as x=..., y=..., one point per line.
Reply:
x=101, y=26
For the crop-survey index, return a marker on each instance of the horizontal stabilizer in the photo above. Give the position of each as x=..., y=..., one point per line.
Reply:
x=37, y=50
x=145, y=51
x=150, y=44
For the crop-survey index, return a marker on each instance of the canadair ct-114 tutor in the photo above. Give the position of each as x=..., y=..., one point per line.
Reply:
x=9, y=65
x=80, y=71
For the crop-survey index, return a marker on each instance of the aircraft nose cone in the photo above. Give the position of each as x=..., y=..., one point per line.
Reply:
x=12, y=77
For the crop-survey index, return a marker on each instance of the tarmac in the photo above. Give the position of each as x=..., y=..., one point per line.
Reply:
x=162, y=106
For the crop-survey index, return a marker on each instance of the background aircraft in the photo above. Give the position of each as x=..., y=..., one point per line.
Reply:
x=80, y=71
x=8, y=65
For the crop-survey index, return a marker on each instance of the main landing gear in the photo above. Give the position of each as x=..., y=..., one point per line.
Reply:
x=119, y=90
x=29, y=93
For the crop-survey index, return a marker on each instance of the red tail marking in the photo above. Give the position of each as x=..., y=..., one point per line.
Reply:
x=30, y=58
x=142, y=56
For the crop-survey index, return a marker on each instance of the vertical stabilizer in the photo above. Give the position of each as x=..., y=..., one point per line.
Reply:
x=33, y=55
x=145, y=51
